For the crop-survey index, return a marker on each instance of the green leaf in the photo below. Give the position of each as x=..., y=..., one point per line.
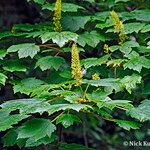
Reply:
x=66, y=74
x=146, y=89
x=2, y=53
x=58, y=107
x=27, y=85
x=6, y=122
x=49, y=62
x=36, y=129
x=38, y=1
x=142, y=112
x=91, y=62
x=133, y=27
x=25, y=50
x=46, y=140
x=5, y=34
x=108, y=23
x=111, y=104
x=97, y=96
x=114, y=48
x=67, y=120
x=109, y=82
x=44, y=90
x=128, y=27
x=130, y=82
x=91, y=39
x=20, y=104
x=103, y=113
x=14, y=65
x=127, y=125
x=127, y=46
x=148, y=44
x=35, y=28
x=137, y=62
x=145, y=28
x=26, y=106
x=139, y=15
x=102, y=16
x=116, y=1
x=60, y=38
x=116, y=62
x=2, y=78
x=74, y=23
x=66, y=7
x=9, y=139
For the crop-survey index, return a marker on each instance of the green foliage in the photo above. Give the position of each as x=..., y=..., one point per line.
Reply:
x=24, y=50
x=32, y=129
x=50, y=62
x=37, y=66
x=8, y=121
x=2, y=78
x=65, y=7
x=27, y=85
x=91, y=39
x=14, y=65
x=67, y=120
x=127, y=124
x=31, y=133
x=142, y=112
x=136, y=62
x=60, y=38
x=90, y=62
x=74, y=23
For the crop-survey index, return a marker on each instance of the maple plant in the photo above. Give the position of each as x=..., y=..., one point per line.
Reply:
x=86, y=64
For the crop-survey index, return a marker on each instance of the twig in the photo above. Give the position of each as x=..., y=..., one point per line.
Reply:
x=121, y=108
x=57, y=117
x=55, y=98
x=84, y=94
x=107, y=119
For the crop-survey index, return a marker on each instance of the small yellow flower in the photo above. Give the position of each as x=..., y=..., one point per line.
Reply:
x=57, y=16
x=75, y=65
x=118, y=25
x=81, y=100
x=95, y=76
x=106, y=48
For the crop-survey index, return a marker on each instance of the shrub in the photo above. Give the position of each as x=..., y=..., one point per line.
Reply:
x=86, y=63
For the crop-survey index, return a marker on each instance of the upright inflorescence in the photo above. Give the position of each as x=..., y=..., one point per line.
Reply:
x=118, y=25
x=75, y=65
x=57, y=16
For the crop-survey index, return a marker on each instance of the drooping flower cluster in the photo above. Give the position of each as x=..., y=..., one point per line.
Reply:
x=75, y=65
x=118, y=25
x=95, y=76
x=57, y=16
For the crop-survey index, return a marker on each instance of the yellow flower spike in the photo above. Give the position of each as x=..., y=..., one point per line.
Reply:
x=75, y=65
x=106, y=48
x=95, y=76
x=57, y=16
x=118, y=25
